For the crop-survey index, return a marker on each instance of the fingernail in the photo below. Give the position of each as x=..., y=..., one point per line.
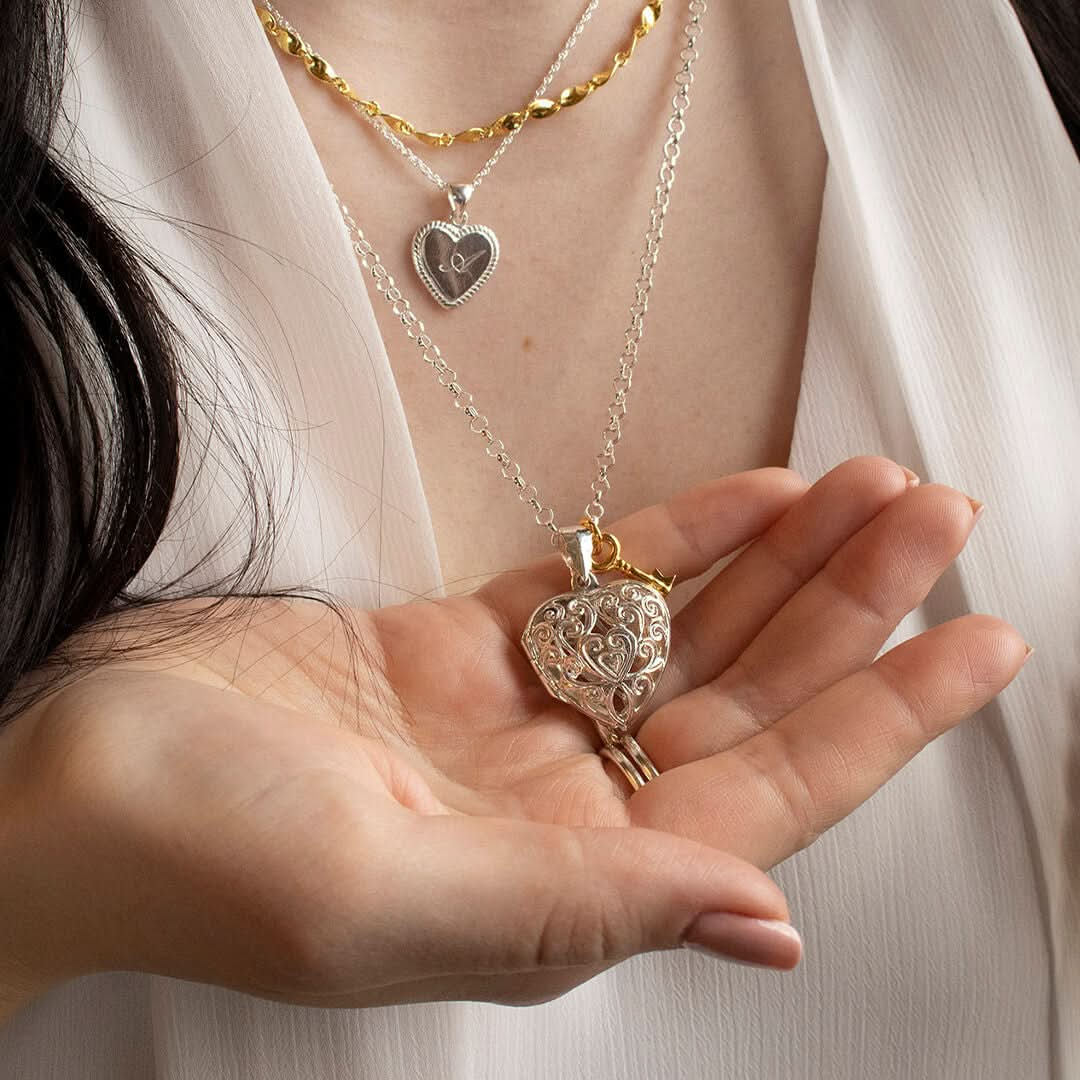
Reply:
x=1027, y=655
x=977, y=509
x=912, y=478
x=746, y=940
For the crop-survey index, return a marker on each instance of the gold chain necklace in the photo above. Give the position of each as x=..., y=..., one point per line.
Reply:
x=451, y=258
x=538, y=109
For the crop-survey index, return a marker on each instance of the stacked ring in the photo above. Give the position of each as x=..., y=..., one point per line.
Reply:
x=633, y=762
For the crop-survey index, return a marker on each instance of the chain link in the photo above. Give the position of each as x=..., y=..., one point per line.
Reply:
x=447, y=377
x=389, y=134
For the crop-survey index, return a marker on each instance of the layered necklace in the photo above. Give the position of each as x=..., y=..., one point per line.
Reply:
x=453, y=258
x=601, y=648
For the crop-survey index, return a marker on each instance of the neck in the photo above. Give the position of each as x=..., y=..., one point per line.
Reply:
x=478, y=15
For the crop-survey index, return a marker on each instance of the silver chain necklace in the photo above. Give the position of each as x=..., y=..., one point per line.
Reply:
x=599, y=648
x=452, y=258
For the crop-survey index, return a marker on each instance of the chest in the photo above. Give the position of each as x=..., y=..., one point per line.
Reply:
x=716, y=385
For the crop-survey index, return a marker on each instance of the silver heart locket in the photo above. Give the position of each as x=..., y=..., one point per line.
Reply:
x=600, y=648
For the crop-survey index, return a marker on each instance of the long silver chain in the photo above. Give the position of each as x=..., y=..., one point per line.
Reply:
x=415, y=159
x=447, y=377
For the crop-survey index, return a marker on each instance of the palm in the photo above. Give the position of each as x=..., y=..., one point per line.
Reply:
x=491, y=739
x=439, y=692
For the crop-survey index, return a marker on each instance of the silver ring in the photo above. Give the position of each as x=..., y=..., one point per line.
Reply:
x=633, y=762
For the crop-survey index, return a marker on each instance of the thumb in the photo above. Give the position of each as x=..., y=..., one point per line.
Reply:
x=494, y=895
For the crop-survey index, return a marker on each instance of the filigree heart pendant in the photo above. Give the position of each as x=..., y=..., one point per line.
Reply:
x=600, y=648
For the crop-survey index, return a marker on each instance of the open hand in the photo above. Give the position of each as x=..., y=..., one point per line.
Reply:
x=428, y=823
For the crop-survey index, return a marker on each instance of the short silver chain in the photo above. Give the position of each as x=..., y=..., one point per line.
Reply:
x=539, y=92
x=447, y=377
x=415, y=159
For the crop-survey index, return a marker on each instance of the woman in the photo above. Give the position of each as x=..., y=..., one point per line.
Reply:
x=388, y=808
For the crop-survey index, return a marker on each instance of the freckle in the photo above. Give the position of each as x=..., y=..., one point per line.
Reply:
x=527, y=344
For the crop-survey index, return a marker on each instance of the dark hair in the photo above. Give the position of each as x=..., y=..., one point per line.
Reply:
x=94, y=387
x=1053, y=29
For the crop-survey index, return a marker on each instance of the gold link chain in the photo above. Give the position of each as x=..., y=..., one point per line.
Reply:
x=289, y=41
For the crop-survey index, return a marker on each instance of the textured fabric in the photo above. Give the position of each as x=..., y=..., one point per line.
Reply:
x=941, y=919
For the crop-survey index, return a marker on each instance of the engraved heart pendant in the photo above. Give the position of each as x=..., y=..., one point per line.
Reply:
x=454, y=261
x=601, y=648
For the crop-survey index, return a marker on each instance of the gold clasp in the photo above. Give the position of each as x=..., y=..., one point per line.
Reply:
x=613, y=560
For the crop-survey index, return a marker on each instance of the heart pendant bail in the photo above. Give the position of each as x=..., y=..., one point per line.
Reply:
x=459, y=196
x=576, y=547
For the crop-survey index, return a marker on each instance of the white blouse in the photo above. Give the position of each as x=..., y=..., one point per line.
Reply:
x=942, y=918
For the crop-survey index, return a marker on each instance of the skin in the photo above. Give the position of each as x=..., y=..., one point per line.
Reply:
x=716, y=388
x=247, y=809
x=432, y=824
